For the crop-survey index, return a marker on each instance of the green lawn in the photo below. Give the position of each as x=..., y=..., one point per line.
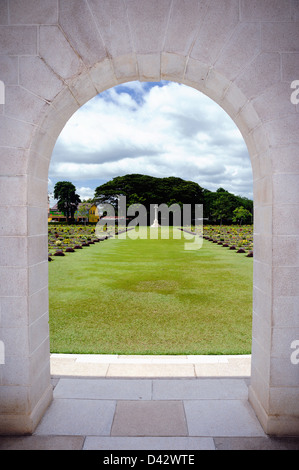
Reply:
x=151, y=297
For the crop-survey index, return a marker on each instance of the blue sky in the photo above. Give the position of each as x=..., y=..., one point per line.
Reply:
x=159, y=129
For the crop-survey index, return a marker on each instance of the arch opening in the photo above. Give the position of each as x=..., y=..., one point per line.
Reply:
x=133, y=143
x=55, y=61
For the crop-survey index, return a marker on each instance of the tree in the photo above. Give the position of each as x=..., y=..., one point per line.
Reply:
x=83, y=211
x=223, y=205
x=148, y=190
x=68, y=200
x=241, y=214
x=220, y=205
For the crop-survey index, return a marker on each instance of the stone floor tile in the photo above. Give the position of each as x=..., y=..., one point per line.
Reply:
x=207, y=359
x=256, y=443
x=42, y=443
x=199, y=389
x=77, y=417
x=97, y=358
x=104, y=389
x=207, y=370
x=151, y=370
x=221, y=418
x=63, y=356
x=234, y=367
x=149, y=418
x=152, y=359
x=237, y=367
x=61, y=364
x=72, y=368
x=148, y=443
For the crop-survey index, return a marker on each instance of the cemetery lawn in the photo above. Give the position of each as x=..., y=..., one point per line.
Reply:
x=151, y=297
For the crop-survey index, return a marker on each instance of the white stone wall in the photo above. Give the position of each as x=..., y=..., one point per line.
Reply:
x=55, y=56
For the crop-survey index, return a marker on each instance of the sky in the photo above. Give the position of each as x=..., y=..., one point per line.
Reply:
x=158, y=129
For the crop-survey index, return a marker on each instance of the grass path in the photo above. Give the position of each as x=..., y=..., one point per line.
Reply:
x=151, y=297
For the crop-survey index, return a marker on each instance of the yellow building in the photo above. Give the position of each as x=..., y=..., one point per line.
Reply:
x=87, y=212
x=93, y=214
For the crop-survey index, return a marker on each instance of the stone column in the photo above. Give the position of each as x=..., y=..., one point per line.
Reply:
x=26, y=389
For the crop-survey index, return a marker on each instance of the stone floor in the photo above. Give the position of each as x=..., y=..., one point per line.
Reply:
x=149, y=403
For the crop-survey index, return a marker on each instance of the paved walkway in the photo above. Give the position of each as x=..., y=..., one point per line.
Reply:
x=150, y=403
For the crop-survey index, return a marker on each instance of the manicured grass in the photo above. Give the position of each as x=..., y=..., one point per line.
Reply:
x=149, y=296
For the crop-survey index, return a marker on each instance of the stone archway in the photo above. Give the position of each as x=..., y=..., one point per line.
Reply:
x=58, y=55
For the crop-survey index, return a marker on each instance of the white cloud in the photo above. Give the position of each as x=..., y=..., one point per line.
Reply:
x=157, y=129
x=85, y=193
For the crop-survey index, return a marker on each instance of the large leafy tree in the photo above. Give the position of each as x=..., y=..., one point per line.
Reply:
x=147, y=190
x=223, y=205
x=220, y=205
x=67, y=199
x=142, y=189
